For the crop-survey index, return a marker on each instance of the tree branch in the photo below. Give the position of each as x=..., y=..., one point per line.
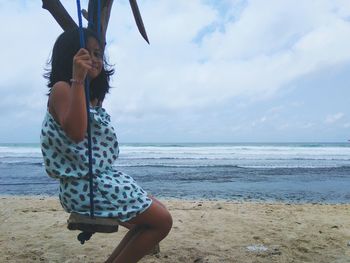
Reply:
x=106, y=6
x=62, y=17
x=60, y=14
x=138, y=19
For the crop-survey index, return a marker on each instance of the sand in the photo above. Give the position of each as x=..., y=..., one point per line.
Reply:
x=33, y=229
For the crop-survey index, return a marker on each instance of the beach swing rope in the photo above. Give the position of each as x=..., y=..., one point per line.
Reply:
x=90, y=224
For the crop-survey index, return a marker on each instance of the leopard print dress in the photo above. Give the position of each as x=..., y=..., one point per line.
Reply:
x=116, y=194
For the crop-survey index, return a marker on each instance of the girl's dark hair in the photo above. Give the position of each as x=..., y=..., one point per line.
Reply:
x=61, y=62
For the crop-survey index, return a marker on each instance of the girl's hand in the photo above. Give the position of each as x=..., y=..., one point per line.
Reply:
x=81, y=64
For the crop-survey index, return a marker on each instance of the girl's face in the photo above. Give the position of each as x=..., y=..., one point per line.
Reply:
x=96, y=57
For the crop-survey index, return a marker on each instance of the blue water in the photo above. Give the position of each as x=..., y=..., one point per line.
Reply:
x=284, y=172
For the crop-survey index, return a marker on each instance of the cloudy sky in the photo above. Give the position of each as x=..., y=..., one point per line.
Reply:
x=216, y=70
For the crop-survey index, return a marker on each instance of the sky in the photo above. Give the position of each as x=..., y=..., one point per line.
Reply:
x=215, y=71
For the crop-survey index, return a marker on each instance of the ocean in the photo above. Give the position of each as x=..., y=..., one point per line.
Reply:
x=261, y=172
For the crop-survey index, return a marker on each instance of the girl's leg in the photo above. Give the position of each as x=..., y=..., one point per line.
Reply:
x=154, y=225
x=133, y=230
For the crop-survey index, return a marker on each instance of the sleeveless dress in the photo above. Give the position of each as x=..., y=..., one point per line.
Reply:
x=116, y=194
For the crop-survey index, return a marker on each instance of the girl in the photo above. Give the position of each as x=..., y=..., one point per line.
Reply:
x=64, y=148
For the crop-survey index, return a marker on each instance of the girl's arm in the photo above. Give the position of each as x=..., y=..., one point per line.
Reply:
x=67, y=102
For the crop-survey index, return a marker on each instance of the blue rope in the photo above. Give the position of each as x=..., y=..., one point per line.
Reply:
x=81, y=32
x=91, y=15
x=98, y=19
x=87, y=99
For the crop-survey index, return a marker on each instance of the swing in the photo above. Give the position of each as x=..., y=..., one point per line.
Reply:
x=90, y=224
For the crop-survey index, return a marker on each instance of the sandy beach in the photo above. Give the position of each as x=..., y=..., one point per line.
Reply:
x=33, y=229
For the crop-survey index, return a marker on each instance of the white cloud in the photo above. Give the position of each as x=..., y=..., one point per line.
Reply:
x=266, y=46
x=283, y=126
x=307, y=125
x=332, y=118
x=263, y=119
x=28, y=33
x=270, y=44
x=200, y=56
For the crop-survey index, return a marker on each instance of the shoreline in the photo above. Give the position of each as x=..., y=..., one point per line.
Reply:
x=233, y=201
x=33, y=229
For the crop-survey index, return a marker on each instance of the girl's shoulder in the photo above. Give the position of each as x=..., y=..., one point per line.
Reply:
x=59, y=88
x=58, y=97
x=60, y=84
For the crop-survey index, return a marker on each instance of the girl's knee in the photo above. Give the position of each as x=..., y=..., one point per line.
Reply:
x=156, y=216
x=169, y=220
x=166, y=218
x=166, y=222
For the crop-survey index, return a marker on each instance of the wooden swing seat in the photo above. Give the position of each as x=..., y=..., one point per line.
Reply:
x=92, y=225
x=89, y=226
